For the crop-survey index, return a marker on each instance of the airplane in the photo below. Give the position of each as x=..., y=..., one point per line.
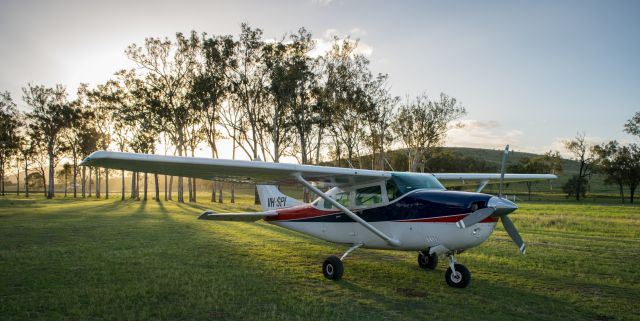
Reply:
x=361, y=208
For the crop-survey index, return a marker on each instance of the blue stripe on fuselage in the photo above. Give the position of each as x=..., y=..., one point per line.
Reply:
x=416, y=205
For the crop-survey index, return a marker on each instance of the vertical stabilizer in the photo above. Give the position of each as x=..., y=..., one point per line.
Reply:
x=272, y=199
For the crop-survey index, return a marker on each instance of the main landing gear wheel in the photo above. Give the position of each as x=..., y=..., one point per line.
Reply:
x=427, y=261
x=458, y=279
x=333, y=268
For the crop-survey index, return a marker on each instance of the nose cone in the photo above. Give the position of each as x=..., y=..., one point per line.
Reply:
x=502, y=205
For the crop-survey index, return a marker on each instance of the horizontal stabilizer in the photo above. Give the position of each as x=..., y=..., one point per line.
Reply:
x=238, y=217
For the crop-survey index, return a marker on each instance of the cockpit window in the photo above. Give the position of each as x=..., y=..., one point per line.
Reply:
x=343, y=199
x=369, y=195
x=407, y=182
x=392, y=190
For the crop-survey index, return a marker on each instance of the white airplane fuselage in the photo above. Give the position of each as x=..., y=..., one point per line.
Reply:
x=419, y=220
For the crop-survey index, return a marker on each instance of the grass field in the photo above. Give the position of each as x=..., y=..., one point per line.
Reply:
x=107, y=259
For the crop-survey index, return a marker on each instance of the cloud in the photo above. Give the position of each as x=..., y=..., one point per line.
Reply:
x=322, y=3
x=482, y=134
x=325, y=43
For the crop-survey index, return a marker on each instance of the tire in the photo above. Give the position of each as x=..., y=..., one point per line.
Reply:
x=333, y=268
x=461, y=279
x=427, y=261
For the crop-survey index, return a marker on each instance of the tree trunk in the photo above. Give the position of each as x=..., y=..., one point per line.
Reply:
x=165, y=188
x=2, y=178
x=220, y=195
x=18, y=179
x=621, y=192
x=170, y=188
x=137, y=186
x=193, y=181
x=122, y=187
x=157, y=187
x=106, y=183
x=180, y=190
x=190, y=189
x=26, y=177
x=83, y=181
x=213, y=191
x=632, y=191
x=75, y=178
x=133, y=185
x=89, y=183
x=97, y=183
x=233, y=193
x=65, y=183
x=144, y=196
x=51, y=176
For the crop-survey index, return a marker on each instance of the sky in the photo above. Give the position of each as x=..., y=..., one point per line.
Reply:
x=530, y=74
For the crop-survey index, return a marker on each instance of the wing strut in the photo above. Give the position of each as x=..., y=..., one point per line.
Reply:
x=346, y=211
x=481, y=186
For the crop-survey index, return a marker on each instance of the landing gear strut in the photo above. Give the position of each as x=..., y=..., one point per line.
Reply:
x=427, y=261
x=457, y=275
x=333, y=267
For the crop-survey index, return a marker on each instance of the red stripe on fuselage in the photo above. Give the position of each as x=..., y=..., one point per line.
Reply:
x=299, y=212
x=448, y=219
x=308, y=211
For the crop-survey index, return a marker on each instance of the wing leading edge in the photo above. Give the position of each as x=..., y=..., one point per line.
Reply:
x=232, y=170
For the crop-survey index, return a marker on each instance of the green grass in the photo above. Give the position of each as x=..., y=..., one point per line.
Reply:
x=107, y=259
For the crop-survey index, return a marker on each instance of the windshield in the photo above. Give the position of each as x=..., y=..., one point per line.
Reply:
x=407, y=182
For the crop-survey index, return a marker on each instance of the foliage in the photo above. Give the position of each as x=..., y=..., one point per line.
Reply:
x=582, y=152
x=633, y=125
x=422, y=124
x=50, y=115
x=575, y=185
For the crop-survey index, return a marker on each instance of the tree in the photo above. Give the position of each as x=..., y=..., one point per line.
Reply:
x=633, y=125
x=64, y=174
x=51, y=114
x=169, y=71
x=248, y=81
x=26, y=150
x=73, y=136
x=9, y=135
x=210, y=87
x=615, y=162
x=381, y=106
x=633, y=176
x=581, y=151
x=346, y=74
x=535, y=165
x=575, y=185
x=422, y=124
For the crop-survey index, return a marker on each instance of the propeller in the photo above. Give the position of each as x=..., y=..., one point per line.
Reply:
x=497, y=206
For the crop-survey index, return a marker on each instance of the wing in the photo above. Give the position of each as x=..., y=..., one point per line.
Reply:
x=452, y=179
x=232, y=170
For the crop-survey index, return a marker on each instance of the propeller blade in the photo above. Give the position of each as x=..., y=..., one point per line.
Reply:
x=513, y=232
x=475, y=217
x=503, y=166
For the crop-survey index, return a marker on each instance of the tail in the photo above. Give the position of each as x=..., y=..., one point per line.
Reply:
x=272, y=199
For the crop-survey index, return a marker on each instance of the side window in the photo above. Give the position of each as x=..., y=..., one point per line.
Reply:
x=368, y=196
x=343, y=199
x=392, y=190
x=326, y=205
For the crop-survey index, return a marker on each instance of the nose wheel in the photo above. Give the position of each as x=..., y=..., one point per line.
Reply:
x=457, y=275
